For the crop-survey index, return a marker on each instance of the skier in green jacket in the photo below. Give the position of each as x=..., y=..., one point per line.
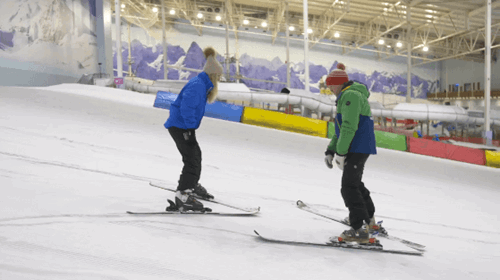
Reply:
x=352, y=144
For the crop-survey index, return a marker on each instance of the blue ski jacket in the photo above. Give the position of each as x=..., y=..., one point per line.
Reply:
x=188, y=109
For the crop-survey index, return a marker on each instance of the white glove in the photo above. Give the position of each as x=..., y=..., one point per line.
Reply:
x=340, y=161
x=328, y=161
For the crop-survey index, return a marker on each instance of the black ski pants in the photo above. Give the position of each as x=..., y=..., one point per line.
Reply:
x=356, y=196
x=191, y=157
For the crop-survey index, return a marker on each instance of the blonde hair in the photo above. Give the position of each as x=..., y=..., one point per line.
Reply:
x=212, y=95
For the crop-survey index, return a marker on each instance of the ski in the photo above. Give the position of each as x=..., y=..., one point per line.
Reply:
x=382, y=233
x=194, y=213
x=249, y=210
x=352, y=245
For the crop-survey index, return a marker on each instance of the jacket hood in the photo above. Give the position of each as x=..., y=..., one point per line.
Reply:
x=353, y=85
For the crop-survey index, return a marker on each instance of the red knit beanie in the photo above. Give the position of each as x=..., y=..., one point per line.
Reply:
x=337, y=76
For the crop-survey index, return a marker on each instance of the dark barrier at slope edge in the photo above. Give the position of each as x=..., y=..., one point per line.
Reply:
x=216, y=110
x=448, y=151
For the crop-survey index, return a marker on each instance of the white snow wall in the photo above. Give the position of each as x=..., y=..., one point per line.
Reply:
x=46, y=42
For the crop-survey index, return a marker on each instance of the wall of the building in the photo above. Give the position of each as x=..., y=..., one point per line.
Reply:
x=46, y=42
x=460, y=72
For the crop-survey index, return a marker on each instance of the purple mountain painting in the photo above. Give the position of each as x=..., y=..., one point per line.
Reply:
x=6, y=40
x=147, y=63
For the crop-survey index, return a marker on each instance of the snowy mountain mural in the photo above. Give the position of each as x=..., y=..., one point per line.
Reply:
x=55, y=33
x=148, y=64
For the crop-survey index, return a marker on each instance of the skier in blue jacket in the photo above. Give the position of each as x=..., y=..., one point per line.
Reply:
x=185, y=117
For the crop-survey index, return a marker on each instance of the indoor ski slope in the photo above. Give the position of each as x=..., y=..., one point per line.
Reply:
x=74, y=158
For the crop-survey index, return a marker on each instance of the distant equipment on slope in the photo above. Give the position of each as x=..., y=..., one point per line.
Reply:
x=99, y=79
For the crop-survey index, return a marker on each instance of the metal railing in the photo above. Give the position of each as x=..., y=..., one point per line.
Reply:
x=475, y=94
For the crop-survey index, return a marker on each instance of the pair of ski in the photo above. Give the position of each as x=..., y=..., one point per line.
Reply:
x=301, y=205
x=207, y=211
x=418, y=248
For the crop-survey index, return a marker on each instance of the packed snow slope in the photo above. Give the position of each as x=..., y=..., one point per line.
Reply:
x=74, y=158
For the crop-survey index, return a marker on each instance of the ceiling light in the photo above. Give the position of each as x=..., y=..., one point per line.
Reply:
x=336, y=35
x=399, y=44
x=155, y=10
x=389, y=46
x=246, y=21
x=172, y=12
x=264, y=24
x=309, y=30
x=425, y=48
x=381, y=41
x=291, y=28
x=218, y=18
x=428, y=16
x=123, y=6
x=200, y=15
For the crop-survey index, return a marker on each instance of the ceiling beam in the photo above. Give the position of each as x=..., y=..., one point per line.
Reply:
x=346, y=9
x=328, y=29
x=229, y=15
x=494, y=5
x=280, y=13
x=455, y=55
x=184, y=9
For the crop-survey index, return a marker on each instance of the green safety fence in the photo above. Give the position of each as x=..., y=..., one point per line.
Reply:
x=390, y=140
x=384, y=139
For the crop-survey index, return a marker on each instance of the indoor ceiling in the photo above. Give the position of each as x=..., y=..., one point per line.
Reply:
x=439, y=29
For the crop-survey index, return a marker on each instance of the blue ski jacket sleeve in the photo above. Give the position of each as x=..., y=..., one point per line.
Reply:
x=189, y=107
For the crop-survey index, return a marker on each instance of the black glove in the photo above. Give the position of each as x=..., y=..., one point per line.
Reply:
x=330, y=152
x=189, y=136
x=329, y=155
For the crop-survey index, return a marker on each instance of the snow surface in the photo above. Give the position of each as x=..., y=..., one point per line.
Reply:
x=74, y=158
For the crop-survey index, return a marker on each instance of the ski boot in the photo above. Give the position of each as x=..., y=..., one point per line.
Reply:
x=373, y=226
x=185, y=201
x=360, y=236
x=201, y=192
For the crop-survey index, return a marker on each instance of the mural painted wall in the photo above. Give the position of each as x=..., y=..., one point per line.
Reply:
x=260, y=59
x=50, y=36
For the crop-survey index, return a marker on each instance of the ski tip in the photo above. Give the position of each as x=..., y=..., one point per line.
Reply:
x=299, y=202
x=256, y=232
